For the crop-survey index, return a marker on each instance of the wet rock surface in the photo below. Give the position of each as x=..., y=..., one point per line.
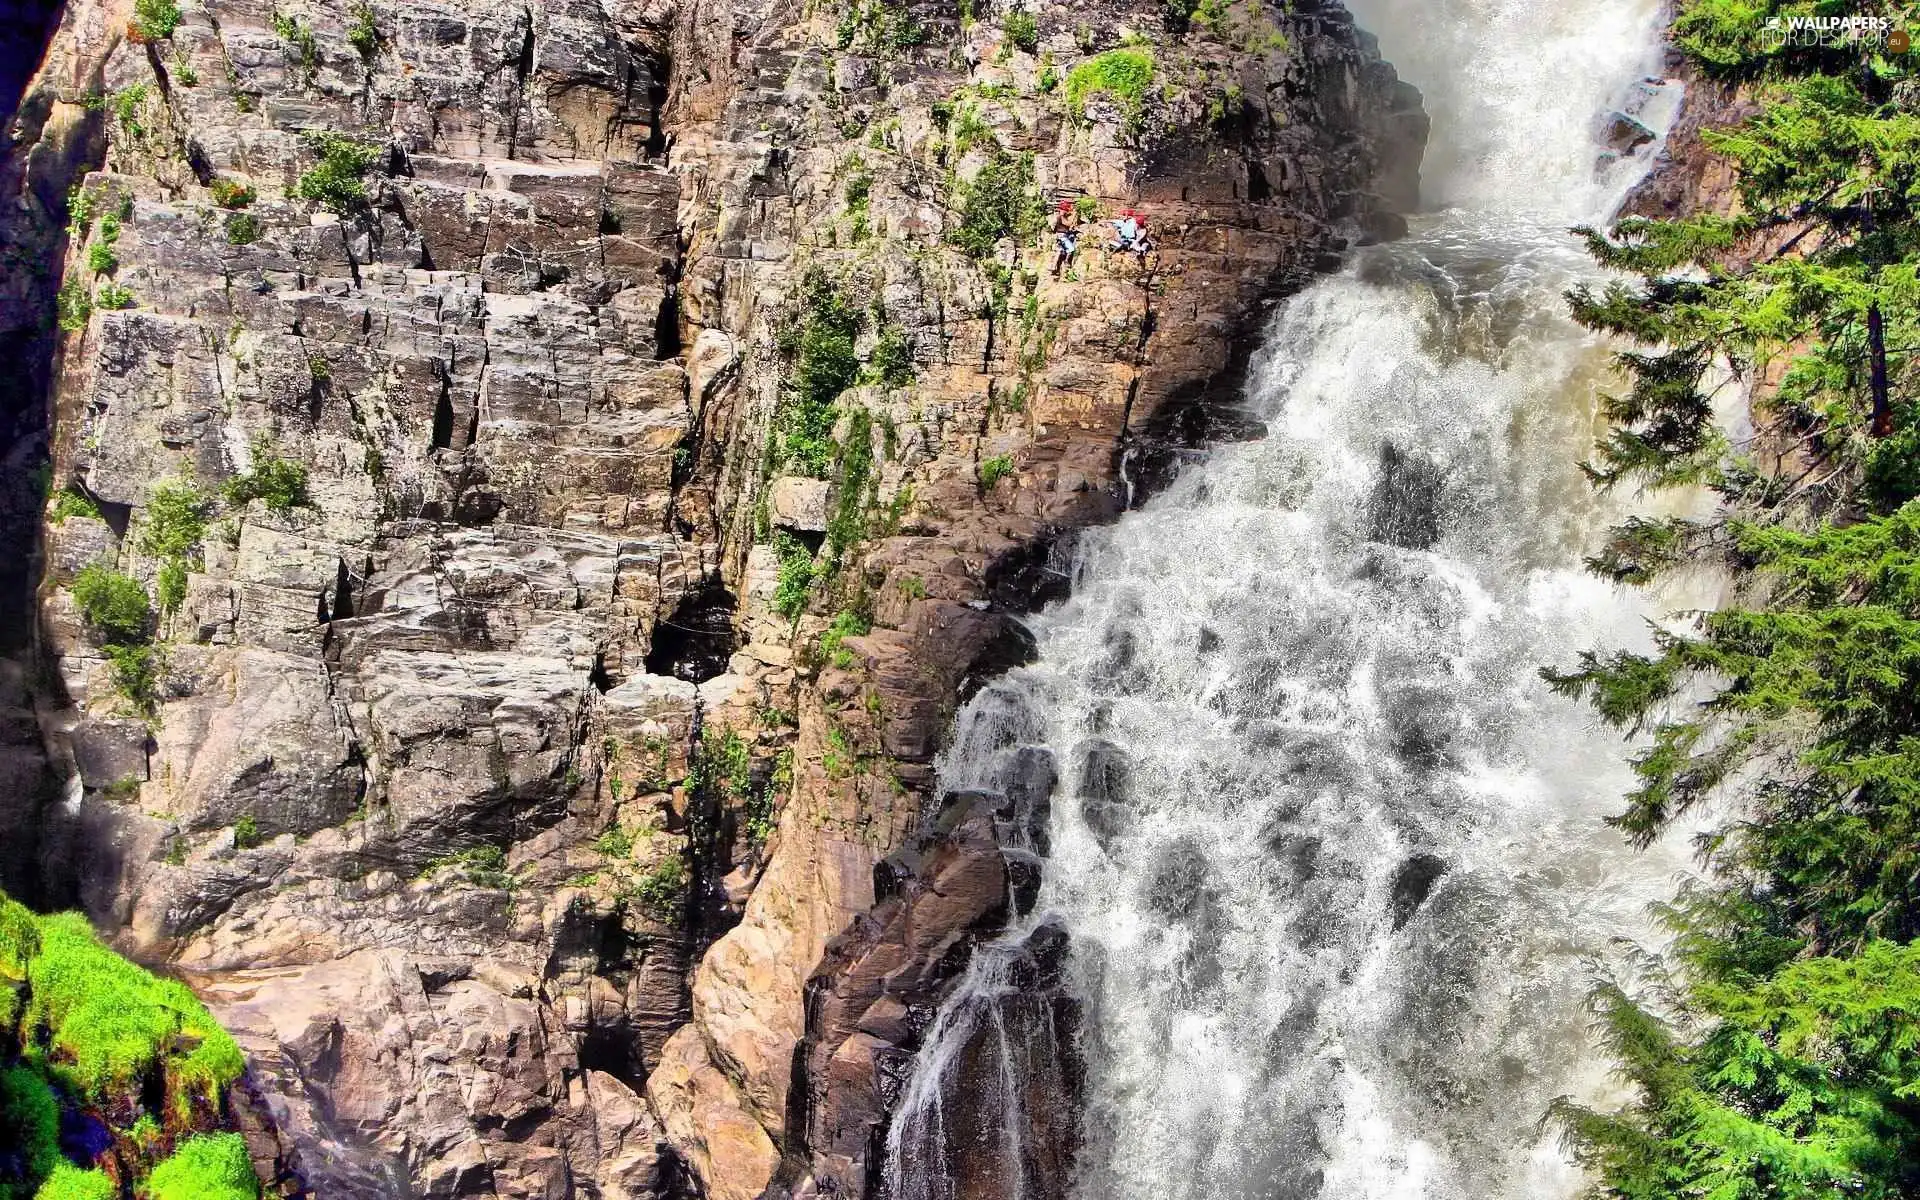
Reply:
x=493, y=788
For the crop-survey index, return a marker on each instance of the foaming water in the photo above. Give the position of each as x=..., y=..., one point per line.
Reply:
x=1329, y=853
x=1515, y=88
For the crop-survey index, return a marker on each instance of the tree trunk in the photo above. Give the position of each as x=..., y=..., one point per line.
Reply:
x=1877, y=352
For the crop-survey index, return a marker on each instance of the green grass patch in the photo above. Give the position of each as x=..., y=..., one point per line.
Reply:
x=71, y=502
x=209, y=1167
x=29, y=1128
x=69, y=1182
x=1122, y=74
x=110, y=1025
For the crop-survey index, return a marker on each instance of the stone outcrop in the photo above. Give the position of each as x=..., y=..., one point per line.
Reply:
x=529, y=754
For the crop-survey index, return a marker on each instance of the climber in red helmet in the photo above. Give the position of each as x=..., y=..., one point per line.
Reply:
x=1065, y=224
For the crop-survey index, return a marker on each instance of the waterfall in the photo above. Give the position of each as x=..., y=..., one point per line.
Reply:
x=1328, y=856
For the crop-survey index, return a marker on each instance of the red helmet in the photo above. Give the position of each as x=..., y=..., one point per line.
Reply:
x=1066, y=206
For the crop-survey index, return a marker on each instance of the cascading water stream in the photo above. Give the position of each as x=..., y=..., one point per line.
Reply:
x=1329, y=855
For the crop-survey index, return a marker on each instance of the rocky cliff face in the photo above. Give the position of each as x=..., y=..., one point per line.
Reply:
x=574, y=455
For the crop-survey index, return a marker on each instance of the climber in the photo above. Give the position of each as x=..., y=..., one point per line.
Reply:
x=1126, y=228
x=1065, y=224
x=1141, y=242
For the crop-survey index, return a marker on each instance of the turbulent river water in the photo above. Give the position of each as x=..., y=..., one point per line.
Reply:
x=1330, y=856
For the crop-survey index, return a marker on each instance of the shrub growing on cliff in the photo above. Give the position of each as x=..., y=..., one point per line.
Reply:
x=662, y=892
x=280, y=482
x=175, y=520
x=362, y=34
x=228, y=193
x=825, y=364
x=71, y=502
x=1122, y=74
x=73, y=306
x=154, y=20
x=337, y=182
x=796, y=575
x=209, y=1167
x=1023, y=31
x=847, y=623
x=994, y=469
x=1001, y=202
x=114, y=605
x=891, y=363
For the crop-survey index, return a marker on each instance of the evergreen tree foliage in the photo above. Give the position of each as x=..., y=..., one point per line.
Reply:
x=1782, y=1057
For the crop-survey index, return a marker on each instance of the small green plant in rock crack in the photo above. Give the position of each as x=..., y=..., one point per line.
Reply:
x=661, y=893
x=483, y=866
x=71, y=502
x=154, y=20
x=891, y=362
x=337, y=182
x=724, y=765
x=1023, y=31
x=281, y=483
x=81, y=205
x=73, y=306
x=848, y=623
x=246, y=832
x=761, y=813
x=362, y=34
x=994, y=469
x=243, y=229
x=126, y=104
x=114, y=296
x=298, y=35
x=837, y=757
